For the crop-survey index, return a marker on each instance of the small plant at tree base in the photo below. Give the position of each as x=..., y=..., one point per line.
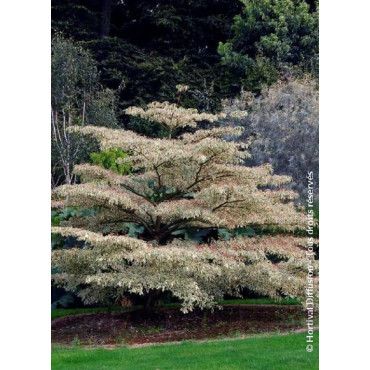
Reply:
x=108, y=159
x=76, y=341
x=194, y=180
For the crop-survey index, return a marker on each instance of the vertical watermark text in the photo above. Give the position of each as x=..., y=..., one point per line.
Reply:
x=310, y=257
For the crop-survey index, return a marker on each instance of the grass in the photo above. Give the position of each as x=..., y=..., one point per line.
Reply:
x=259, y=301
x=258, y=353
x=60, y=312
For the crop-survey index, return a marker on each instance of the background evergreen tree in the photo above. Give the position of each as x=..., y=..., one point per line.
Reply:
x=272, y=38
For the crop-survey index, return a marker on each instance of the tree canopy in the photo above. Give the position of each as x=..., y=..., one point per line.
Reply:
x=188, y=180
x=151, y=46
x=282, y=124
x=77, y=98
x=145, y=48
x=272, y=38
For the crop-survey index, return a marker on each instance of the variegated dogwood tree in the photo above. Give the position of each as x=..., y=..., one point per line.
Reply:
x=191, y=180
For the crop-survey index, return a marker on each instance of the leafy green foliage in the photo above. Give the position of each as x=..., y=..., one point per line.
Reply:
x=195, y=235
x=73, y=74
x=205, y=235
x=58, y=216
x=147, y=128
x=153, y=46
x=77, y=98
x=271, y=38
x=225, y=234
x=64, y=301
x=133, y=230
x=75, y=86
x=108, y=159
x=68, y=212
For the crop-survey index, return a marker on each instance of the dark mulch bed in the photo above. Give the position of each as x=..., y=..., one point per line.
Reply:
x=170, y=324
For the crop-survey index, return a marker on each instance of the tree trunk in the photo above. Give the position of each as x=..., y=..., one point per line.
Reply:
x=67, y=175
x=150, y=300
x=106, y=18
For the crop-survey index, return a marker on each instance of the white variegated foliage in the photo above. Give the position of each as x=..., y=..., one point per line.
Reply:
x=193, y=181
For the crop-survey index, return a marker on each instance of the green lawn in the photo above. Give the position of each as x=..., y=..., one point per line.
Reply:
x=260, y=301
x=259, y=353
x=60, y=312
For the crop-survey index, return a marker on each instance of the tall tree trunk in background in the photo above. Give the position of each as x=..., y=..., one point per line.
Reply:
x=150, y=300
x=67, y=148
x=106, y=17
